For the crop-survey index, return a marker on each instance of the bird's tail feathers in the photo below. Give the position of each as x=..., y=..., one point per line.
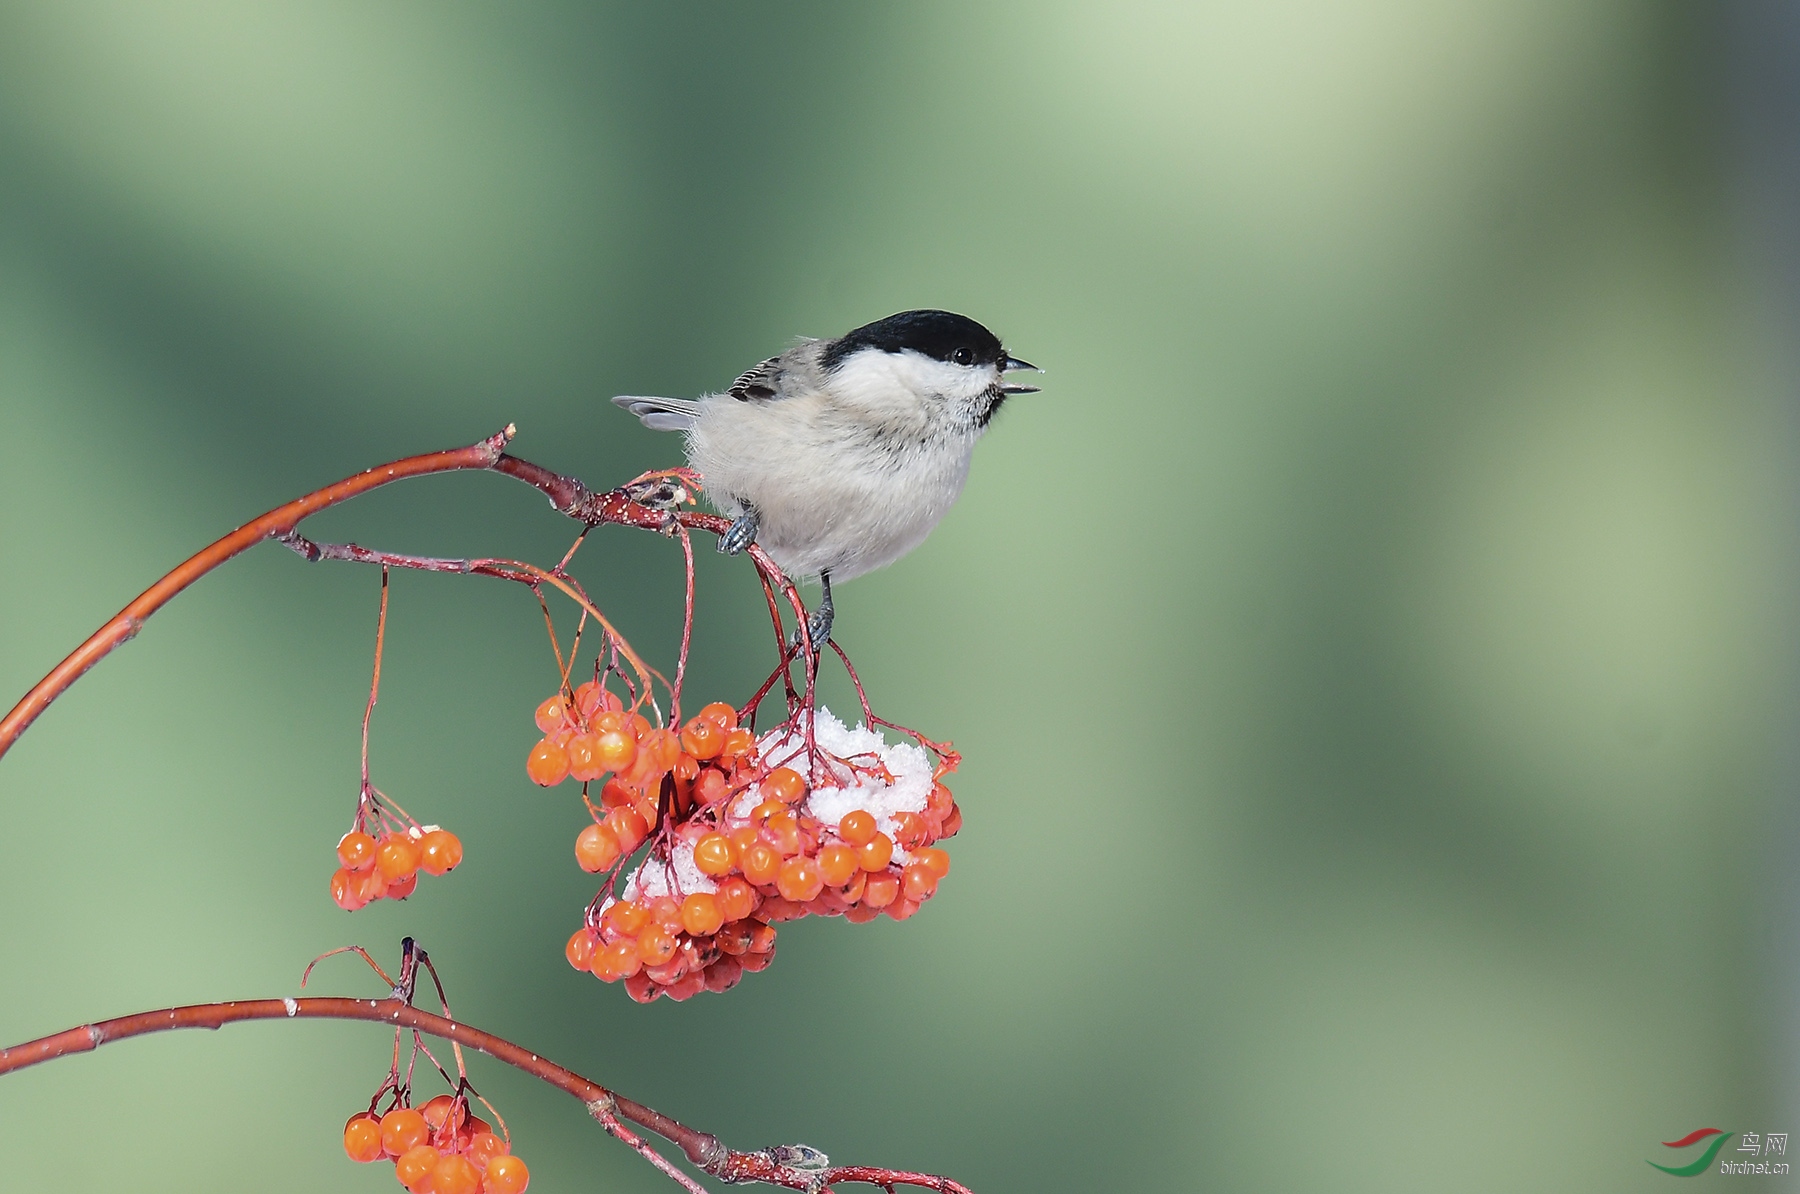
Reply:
x=661, y=414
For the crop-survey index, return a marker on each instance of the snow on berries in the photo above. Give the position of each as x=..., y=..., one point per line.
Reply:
x=439, y=1148
x=741, y=839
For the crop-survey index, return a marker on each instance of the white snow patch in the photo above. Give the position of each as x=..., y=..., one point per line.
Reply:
x=907, y=762
x=677, y=877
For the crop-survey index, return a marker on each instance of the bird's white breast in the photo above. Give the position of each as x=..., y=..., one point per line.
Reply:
x=845, y=481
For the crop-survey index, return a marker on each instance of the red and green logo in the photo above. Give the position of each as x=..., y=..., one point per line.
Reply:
x=1699, y=1164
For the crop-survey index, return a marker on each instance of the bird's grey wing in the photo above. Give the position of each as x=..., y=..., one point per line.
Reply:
x=661, y=414
x=793, y=372
x=759, y=384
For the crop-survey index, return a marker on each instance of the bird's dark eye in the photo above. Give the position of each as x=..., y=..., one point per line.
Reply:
x=963, y=356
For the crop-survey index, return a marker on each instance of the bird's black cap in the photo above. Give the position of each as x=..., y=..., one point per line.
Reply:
x=941, y=335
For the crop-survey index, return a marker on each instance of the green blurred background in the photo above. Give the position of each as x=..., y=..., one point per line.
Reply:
x=1375, y=652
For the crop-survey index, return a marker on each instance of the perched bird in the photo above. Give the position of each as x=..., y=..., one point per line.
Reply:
x=838, y=456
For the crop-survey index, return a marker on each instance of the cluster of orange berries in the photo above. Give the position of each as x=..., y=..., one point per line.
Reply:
x=388, y=867
x=589, y=734
x=752, y=848
x=438, y=1149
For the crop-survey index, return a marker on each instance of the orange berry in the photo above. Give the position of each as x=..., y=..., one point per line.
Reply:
x=664, y=745
x=857, y=827
x=617, y=749
x=911, y=831
x=655, y=945
x=873, y=855
x=346, y=890
x=720, y=714
x=597, y=848
x=881, y=890
x=737, y=899
x=939, y=803
x=369, y=885
x=617, y=793
x=765, y=810
x=581, y=947
x=484, y=1146
x=715, y=855
x=752, y=962
x=455, y=1175
x=838, y=864
x=916, y=882
x=783, y=832
x=861, y=915
x=551, y=714
x=933, y=860
x=362, y=1138
x=356, y=850
x=438, y=1112
x=733, y=938
x=703, y=739
x=641, y=988
x=506, y=1175
x=622, y=959
x=953, y=822
x=700, y=914
x=902, y=908
x=628, y=826
x=399, y=889
x=547, y=763
x=587, y=700
x=710, y=786
x=666, y=911
x=687, y=766
x=760, y=862
x=724, y=974
x=853, y=890
x=397, y=856
x=625, y=917
x=439, y=852
x=742, y=836
x=413, y=1167
x=738, y=742
x=799, y=880
x=584, y=764
x=783, y=784
x=402, y=1129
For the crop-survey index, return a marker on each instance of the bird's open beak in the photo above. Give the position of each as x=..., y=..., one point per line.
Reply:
x=1013, y=365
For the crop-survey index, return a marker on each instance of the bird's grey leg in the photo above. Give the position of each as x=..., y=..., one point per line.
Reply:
x=819, y=625
x=742, y=533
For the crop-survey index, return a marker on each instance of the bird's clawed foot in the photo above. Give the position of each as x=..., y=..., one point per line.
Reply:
x=818, y=625
x=742, y=533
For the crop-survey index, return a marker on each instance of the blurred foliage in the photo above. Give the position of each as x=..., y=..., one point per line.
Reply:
x=1374, y=652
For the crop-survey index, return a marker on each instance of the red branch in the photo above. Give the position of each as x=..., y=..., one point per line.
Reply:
x=701, y=1148
x=128, y=621
x=646, y=503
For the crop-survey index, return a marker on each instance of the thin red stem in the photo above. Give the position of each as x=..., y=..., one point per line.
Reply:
x=687, y=627
x=375, y=679
x=701, y=1148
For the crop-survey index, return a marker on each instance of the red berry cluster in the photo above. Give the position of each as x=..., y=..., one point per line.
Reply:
x=438, y=1149
x=388, y=867
x=749, y=848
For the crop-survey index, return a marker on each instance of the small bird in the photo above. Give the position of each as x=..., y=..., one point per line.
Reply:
x=838, y=456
